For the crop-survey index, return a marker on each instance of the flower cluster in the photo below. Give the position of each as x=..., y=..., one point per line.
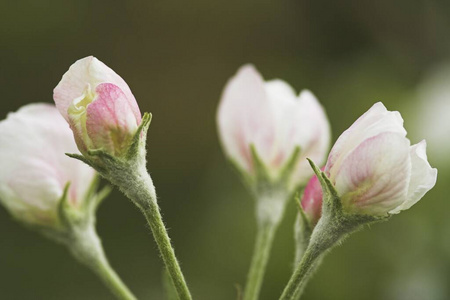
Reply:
x=273, y=136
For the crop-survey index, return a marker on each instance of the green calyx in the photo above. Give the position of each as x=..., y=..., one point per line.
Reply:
x=272, y=191
x=337, y=222
x=134, y=156
x=72, y=218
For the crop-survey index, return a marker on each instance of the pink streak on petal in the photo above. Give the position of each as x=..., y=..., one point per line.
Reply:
x=374, y=176
x=110, y=114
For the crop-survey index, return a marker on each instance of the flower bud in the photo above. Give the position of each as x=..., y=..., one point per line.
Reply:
x=373, y=167
x=99, y=106
x=272, y=119
x=311, y=201
x=35, y=171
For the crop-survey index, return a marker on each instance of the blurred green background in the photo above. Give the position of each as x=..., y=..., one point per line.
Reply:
x=176, y=56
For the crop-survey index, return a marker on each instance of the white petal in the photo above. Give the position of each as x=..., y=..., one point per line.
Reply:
x=423, y=177
x=88, y=71
x=34, y=170
x=306, y=126
x=245, y=118
x=280, y=92
x=271, y=116
x=375, y=121
x=374, y=177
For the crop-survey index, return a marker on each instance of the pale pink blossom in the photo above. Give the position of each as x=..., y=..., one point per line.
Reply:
x=275, y=120
x=34, y=169
x=99, y=106
x=374, y=168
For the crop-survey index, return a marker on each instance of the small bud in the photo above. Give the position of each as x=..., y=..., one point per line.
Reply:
x=283, y=128
x=35, y=172
x=312, y=200
x=373, y=167
x=99, y=106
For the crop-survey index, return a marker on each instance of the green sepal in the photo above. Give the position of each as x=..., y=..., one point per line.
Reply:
x=334, y=226
x=330, y=193
x=273, y=191
x=93, y=197
x=140, y=137
x=80, y=158
x=66, y=214
x=305, y=221
x=262, y=176
x=333, y=210
x=288, y=169
x=108, y=165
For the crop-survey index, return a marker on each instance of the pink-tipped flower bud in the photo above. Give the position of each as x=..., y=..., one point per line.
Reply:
x=311, y=201
x=34, y=170
x=99, y=106
x=272, y=118
x=374, y=168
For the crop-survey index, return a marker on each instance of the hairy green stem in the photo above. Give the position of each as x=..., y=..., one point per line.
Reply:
x=322, y=239
x=299, y=292
x=154, y=219
x=296, y=283
x=87, y=249
x=138, y=186
x=261, y=254
x=329, y=230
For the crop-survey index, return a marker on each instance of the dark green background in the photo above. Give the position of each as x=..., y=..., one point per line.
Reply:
x=176, y=56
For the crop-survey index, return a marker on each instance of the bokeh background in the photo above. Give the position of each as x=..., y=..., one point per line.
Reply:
x=176, y=56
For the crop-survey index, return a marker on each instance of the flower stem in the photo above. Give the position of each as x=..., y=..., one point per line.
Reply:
x=299, y=278
x=328, y=231
x=138, y=186
x=87, y=249
x=154, y=219
x=263, y=245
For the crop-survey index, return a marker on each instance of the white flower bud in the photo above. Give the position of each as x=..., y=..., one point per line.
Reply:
x=274, y=120
x=374, y=168
x=35, y=170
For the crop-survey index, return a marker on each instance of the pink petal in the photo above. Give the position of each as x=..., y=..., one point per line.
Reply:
x=312, y=199
x=374, y=177
x=110, y=119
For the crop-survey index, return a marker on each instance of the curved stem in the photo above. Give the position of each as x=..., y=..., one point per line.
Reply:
x=112, y=281
x=138, y=186
x=300, y=290
x=299, y=278
x=87, y=249
x=162, y=239
x=261, y=253
x=328, y=231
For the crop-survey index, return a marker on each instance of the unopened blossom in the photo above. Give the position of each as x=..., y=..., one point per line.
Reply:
x=272, y=118
x=375, y=169
x=34, y=169
x=311, y=201
x=99, y=106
